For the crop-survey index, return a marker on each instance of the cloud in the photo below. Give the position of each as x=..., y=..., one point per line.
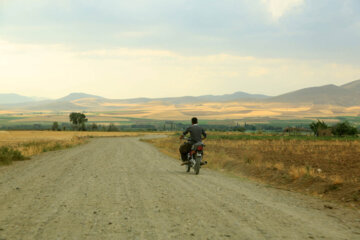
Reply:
x=238, y=27
x=55, y=70
x=278, y=8
x=258, y=72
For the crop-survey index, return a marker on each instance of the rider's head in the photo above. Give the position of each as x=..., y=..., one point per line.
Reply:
x=194, y=120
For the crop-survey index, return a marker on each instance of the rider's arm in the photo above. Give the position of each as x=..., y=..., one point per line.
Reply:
x=203, y=133
x=184, y=133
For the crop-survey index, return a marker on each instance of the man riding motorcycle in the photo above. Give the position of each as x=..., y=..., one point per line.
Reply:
x=195, y=136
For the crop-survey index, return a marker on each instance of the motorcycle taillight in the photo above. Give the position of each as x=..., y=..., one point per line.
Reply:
x=200, y=148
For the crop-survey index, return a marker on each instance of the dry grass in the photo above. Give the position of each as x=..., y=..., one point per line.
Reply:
x=304, y=165
x=29, y=149
x=15, y=137
x=30, y=143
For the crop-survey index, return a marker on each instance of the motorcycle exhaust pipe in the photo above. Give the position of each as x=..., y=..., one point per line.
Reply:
x=185, y=163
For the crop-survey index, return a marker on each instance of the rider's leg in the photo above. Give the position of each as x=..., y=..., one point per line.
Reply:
x=183, y=152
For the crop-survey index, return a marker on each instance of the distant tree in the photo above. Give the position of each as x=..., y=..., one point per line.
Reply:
x=78, y=120
x=249, y=127
x=103, y=128
x=316, y=126
x=239, y=129
x=344, y=129
x=112, y=128
x=83, y=127
x=94, y=127
x=55, y=126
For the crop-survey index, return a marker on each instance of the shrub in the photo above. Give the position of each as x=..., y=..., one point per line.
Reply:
x=344, y=129
x=7, y=155
x=325, y=132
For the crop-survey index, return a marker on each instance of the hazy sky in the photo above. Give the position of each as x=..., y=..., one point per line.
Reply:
x=159, y=48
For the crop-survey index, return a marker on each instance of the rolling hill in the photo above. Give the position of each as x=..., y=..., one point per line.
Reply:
x=354, y=86
x=12, y=98
x=314, y=101
x=83, y=101
x=345, y=95
x=237, y=96
x=76, y=96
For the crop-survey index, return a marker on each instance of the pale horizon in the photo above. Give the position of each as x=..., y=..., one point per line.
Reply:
x=90, y=93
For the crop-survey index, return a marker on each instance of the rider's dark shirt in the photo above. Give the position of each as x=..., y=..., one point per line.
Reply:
x=195, y=133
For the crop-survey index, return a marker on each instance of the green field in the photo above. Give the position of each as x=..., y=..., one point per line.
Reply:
x=40, y=120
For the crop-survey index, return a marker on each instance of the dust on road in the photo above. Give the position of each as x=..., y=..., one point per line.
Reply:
x=122, y=188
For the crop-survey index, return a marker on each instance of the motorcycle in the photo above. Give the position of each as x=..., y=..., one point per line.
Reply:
x=195, y=157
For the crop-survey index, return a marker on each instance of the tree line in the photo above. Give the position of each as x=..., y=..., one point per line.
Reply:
x=320, y=128
x=79, y=122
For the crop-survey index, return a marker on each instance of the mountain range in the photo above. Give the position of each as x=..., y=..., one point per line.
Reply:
x=345, y=95
x=12, y=98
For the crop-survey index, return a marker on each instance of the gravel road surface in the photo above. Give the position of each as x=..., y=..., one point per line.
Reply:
x=122, y=188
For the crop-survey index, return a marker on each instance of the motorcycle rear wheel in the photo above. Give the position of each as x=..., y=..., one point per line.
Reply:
x=197, y=165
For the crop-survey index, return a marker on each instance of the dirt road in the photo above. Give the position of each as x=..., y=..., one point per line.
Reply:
x=121, y=188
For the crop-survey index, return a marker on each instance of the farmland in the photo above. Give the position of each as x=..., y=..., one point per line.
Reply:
x=44, y=121
x=325, y=167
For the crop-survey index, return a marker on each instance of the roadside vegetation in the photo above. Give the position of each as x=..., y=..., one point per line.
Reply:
x=21, y=145
x=324, y=166
x=8, y=155
x=23, y=150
